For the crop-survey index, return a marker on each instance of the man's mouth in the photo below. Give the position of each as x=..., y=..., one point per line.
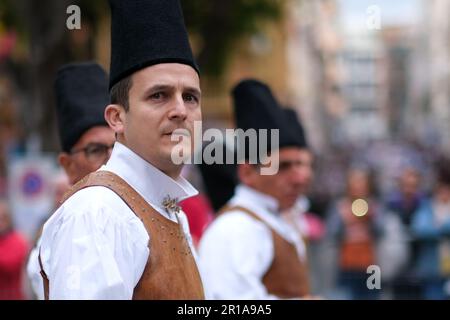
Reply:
x=178, y=132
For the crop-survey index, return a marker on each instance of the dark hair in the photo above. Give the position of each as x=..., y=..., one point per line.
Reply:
x=119, y=92
x=370, y=175
x=443, y=172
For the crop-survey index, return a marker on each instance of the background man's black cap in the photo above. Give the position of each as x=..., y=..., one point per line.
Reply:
x=296, y=126
x=81, y=96
x=220, y=179
x=255, y=107
x=145, y=33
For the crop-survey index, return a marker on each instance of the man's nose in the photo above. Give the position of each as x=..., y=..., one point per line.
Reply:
x=301, y=174
x=178, y=110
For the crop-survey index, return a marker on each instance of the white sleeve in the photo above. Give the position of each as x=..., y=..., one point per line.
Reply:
x=33, y=273
x=97, y=252
x=235, y=253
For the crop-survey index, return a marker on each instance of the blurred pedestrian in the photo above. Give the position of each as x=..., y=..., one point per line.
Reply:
x=355, y=223
x=86, y=139
x=13, y=254
x=431, y=228
x=403, y=203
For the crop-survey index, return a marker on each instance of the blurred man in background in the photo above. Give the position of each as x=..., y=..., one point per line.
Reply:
x=86, y=139
x=431, y=228
x=356, y=224
x=250, y=251
x=403, y=203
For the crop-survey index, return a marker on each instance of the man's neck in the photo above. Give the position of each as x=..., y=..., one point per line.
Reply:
x=174, y=174
x=167, y=167
x=265, y=194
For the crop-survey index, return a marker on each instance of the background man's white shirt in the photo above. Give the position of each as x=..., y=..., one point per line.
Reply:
x=237, y=250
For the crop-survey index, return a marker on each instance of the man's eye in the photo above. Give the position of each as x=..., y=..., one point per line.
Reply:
x=157, y=96
x=94, y=150
x=190, y=98
x=284, y=166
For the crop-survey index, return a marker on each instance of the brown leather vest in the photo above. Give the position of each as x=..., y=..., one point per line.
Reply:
x=171, y=271
x=287, y=276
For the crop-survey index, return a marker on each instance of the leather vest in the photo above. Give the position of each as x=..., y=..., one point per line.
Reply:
x=287, y=276
x=171, y=271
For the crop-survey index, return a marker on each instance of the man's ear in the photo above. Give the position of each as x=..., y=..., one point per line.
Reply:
x=246, y=173
x=115, y=116
x=66, y=162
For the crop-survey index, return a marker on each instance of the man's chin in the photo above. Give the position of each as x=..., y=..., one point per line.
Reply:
x=290, y=201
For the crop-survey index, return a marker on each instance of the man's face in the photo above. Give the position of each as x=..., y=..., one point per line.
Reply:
x=162, y=98
x=358, y=184
x=442, y=192
x=90, y=152
x=409, y=182
x=291, y=181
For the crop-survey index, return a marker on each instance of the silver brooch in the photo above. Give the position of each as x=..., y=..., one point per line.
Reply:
x=171, y=205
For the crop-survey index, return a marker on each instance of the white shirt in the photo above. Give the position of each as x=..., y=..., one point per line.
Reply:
x=237, y=250
x=33, y=274
x=94, y=246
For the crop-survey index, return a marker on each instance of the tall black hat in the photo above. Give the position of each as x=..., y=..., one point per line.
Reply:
x=82, y=96
x=220, y=179
x=145, y=33
x=296, y=126
x=256, y=108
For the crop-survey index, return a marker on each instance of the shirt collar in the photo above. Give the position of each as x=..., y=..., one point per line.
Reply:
x=151, y=183
x=266, y=208
x=301, y=205
x=256, y=199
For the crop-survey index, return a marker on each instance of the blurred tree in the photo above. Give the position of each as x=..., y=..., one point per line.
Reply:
x=8, y=15
x=220, y=24
x=41, y=26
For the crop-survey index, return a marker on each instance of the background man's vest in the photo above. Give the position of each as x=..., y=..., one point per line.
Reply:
x=287, y=276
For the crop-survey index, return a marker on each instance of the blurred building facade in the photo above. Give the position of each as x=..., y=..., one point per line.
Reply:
x=314, y=76
x=435, y=92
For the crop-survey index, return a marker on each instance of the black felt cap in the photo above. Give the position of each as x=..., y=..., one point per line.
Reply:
x=82, y=96
x=296, y=127
x=255, y=107
x=220, y=179
x=145, y=33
